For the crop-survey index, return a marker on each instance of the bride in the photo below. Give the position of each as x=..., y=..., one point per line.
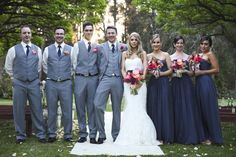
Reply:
x=136, y=126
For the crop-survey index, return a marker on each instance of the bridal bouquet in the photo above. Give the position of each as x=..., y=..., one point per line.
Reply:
x=134, y=78
x=194, y=61
x=178, y=66
x=154, y=66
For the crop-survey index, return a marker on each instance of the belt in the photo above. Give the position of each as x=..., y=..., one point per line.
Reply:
x=59, y=80
x=86, y=75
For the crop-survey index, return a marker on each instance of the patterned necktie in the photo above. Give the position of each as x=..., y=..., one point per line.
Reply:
x=27, y=49
x=89, y=46
x=59, y=51
x=112, y=48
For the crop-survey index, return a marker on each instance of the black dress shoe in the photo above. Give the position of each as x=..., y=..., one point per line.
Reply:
x=52, y=139
x=82, y=139
x=68, y=139
x=42, y=140
x=19, y=141
x=101, y=140
x=93, y=141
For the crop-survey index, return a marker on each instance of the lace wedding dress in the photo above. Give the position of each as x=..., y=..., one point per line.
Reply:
x=136, y=126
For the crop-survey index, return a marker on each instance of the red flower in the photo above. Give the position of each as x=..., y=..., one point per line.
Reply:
x=122, y=48
x=95, y=50
x=34, y=52
x=154, y=64
x=133, y=77
x=66, y=53
x=194, y=61
x=178, y=64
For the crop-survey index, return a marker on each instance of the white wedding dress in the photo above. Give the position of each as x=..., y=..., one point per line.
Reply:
x=136, y=126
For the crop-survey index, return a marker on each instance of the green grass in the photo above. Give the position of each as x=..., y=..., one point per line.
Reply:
x=222, y=102
x=5, y=101
x=32, y=148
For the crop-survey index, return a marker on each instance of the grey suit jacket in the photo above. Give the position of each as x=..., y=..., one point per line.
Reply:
x=103, y=52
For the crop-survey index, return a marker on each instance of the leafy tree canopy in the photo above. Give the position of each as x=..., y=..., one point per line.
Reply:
x=194, y=16
x=44, y=15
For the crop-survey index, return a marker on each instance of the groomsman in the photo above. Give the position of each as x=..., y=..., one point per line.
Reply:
x=85, y=63
x=110, y=83
x=57, y=64
x=23, y=64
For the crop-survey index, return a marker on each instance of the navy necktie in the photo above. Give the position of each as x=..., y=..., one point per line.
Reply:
x=27, y=49
x=59, y=51
x=112, y=48
x=89, y=46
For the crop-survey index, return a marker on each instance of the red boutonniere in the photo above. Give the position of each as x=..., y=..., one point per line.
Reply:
x=122, y=48
x=66, y=53
x=34, y=52
x=95, y=50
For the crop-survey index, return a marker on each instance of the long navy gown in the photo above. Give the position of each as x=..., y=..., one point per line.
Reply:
x=185, y=110
x=206, y=96
x=159, y=107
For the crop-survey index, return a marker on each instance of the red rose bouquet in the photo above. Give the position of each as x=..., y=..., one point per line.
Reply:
x=154, y=66
x=178, y=66
x=194, y=61
x=134, y=78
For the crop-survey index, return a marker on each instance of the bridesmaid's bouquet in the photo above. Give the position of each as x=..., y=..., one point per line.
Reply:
x=154, y=66
x=178, y=66
x=134, y=78
x=194, y=61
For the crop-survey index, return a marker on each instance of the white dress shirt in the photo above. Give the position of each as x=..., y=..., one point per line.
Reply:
x=11, y=54
x=110, y=45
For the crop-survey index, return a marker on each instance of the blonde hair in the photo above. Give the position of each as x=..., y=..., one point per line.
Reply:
x=140, y=47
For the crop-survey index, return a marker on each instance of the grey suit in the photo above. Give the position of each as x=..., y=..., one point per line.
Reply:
x=58, y=88
x=110, y=82
x=26, y=87
x=86, y=82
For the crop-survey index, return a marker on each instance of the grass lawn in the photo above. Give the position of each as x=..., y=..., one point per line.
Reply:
x=32, y=148
x=5, y=101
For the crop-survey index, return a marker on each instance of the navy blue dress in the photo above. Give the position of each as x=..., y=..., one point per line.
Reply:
x=206, y=96
x=185, y=110
x=159, y=107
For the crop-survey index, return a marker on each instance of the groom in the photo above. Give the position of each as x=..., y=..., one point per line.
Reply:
x=110, y=82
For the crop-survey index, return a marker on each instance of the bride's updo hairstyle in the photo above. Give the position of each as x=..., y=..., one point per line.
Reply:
x=139, y=48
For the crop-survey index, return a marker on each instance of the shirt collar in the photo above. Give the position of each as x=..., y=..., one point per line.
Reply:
x=24, y=44
x=109, y=43
x=86, y=41
x=62, y=45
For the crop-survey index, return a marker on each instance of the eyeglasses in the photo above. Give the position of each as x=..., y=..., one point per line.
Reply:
x=88, y=30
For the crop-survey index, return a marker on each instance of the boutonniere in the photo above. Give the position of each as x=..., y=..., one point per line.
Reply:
x=34, y=52
x=95, y=50
x=66, y=53
x=122, y=48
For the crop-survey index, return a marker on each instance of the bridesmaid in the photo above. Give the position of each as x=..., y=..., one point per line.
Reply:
x=206, y=93
x=182, y=91
x=158, y=106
